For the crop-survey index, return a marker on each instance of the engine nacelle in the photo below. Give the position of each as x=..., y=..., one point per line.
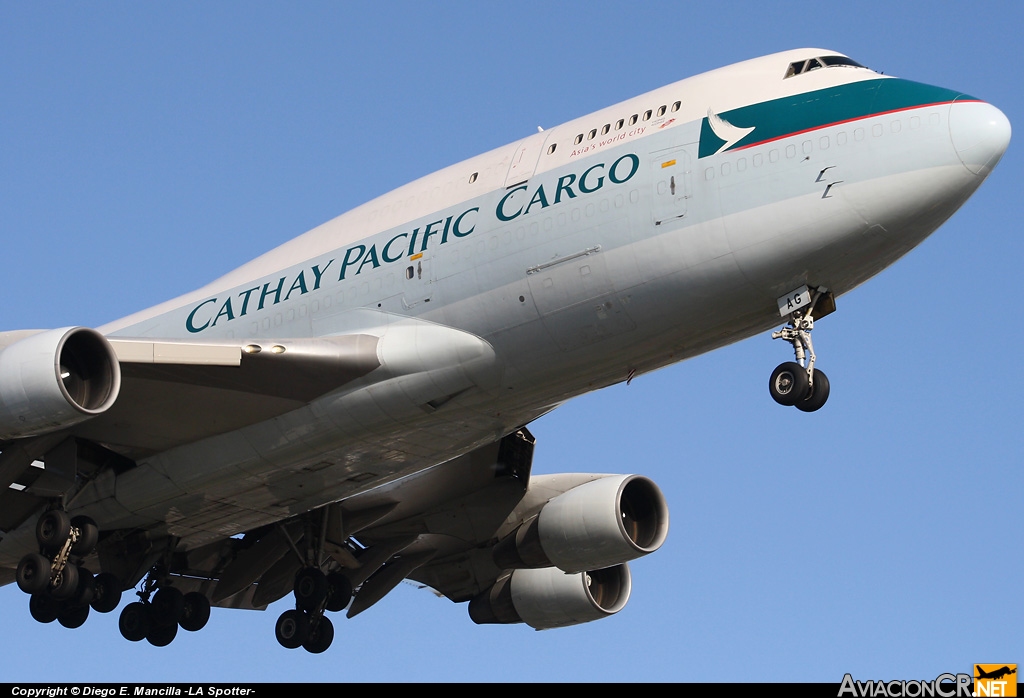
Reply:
x=54, y=379
x=549, y=598
x=598, y=524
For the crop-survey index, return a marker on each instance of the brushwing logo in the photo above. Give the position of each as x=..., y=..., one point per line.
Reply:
x=725, y=132
x=995, y=680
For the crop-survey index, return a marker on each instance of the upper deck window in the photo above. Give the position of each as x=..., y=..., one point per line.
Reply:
x=806, y=66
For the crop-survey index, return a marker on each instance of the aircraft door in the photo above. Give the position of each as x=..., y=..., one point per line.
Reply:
x=524, y=161
x=672, y=185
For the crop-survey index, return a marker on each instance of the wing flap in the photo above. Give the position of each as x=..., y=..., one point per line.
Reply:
x=145, y=352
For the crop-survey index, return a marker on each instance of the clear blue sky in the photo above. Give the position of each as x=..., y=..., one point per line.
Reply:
x=147, y=148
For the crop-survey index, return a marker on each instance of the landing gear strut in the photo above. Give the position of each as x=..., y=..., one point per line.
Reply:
x=797, y=383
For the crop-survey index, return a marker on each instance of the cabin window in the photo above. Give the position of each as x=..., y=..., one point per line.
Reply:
x=551, y=149
x=676, y=105
x=606, y=128
x=410, y=272
x=647, y=114
x=472, y=177
x=593, y=132
x=662, y=109
x=619, y=124
x=579, y=139
x=632, y=119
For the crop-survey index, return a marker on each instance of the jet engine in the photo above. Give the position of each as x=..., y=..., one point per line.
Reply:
x=549, y=598
x=595, y=525
x=54, y=379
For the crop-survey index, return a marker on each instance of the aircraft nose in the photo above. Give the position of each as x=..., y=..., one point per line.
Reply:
x=980, y=135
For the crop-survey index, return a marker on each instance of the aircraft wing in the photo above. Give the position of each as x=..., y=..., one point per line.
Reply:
x=175, y=392
x=457, y=528
x=62, y=390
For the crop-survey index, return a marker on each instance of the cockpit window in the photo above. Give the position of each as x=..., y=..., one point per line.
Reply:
x=830, y=61
x=806, y=66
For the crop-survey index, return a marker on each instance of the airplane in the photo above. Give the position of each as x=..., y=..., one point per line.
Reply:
x=995, y=673
x=352, y=409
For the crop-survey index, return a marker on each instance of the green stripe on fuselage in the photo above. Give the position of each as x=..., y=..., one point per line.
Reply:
x=786, y=116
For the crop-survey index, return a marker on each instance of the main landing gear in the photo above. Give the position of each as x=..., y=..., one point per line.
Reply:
x=307, y=626
x=61, y=588
x=161, y=610
x=797, y=383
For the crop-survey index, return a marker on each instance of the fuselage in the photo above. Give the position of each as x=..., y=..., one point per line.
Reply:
x=628, y=239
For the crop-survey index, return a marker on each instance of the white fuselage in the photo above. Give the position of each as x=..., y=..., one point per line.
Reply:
x=645, y=244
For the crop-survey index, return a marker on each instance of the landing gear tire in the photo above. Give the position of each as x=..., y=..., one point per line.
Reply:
x=817, y=395
x=86, y=588
x=106, y=593
x=788, y=384
x=135, y=622
x=341, y=592
x=311, y=588
x=53, y=529
x=320, y=638
x=292, y=629
x=195, y=612
x=88, y=535
x=43, y=609
x=167, y=606
x=162, y=635
x=73, y=616
x=65, y=586
x=33, y=575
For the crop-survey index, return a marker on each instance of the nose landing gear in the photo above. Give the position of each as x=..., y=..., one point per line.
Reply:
x=797, y=383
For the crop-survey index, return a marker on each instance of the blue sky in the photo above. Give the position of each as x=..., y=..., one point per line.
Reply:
x=148, y=148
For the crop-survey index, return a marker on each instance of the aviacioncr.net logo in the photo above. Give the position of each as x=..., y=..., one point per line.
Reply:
x=943, y=686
